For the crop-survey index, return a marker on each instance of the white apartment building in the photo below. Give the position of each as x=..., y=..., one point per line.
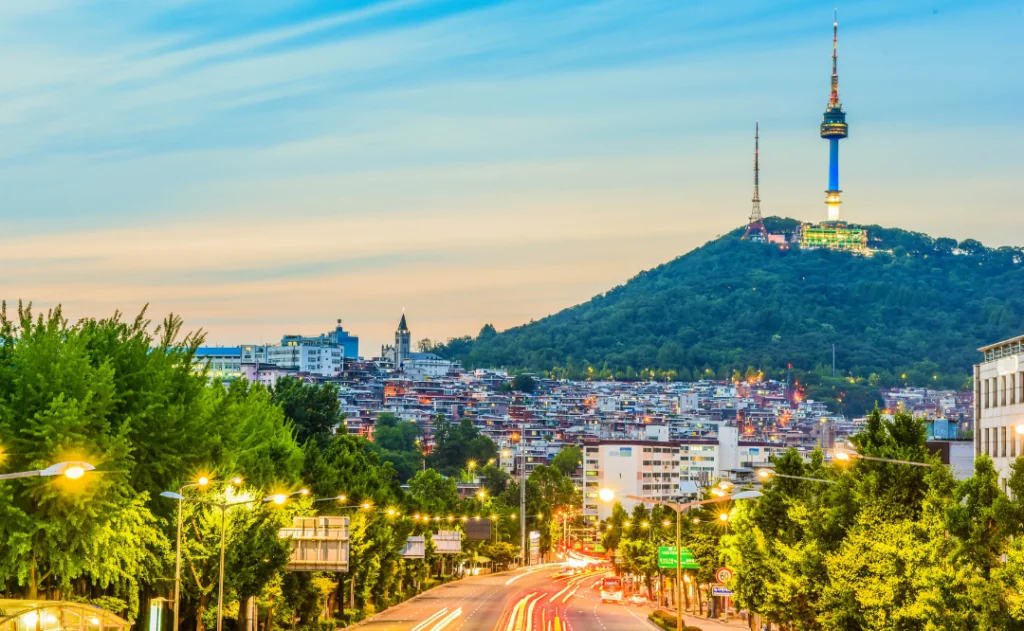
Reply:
x=426, y=365
x=999, y=404
x=627, y=467
x=326, y=361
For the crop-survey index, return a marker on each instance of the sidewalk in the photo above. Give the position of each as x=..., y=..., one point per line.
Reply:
x=708, y=624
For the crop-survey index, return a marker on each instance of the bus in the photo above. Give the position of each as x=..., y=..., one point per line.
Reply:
x=611, y=590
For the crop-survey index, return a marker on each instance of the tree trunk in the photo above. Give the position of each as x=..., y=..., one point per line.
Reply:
x=270, y=615
x=200, y=611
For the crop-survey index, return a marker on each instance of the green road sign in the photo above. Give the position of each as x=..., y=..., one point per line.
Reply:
x=667, y=558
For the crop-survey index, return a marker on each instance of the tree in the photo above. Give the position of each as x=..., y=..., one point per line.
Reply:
x=398, y=442
x=455, y=445
x=432, y=493
x=312, y=408
x=568, y=460
x=524, y=383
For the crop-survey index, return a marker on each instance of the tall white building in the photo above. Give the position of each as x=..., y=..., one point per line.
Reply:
x=629, y=467
x=999, y=404
x=326, y=361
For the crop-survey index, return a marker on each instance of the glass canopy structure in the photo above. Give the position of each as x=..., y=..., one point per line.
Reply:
x=55, y=615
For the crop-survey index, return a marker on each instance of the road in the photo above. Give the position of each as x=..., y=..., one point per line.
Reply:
x=542, y=599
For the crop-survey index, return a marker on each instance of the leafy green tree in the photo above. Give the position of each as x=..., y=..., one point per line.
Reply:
x=524, y=383
x=568, y=460
x=455, y=445
x=432, y=493
x=398, y=442
x=312, y=408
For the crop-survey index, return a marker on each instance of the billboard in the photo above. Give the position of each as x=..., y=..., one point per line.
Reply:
x=415, y=547
x=478, y=529
x=447, y=542
x=534, y=545
x=319, y=544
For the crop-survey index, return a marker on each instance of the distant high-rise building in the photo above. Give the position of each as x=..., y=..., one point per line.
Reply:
x=338, y=337
x=999, y=404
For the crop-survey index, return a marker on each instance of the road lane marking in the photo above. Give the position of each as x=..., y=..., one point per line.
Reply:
x=447, y=620
x=552, y=599
x=643, y=620
x=431, y=619
x=570, y=595
x=516, y=610
x=529, y=614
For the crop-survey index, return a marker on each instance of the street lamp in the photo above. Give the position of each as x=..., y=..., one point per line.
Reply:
x=766, y=474
x=223, y=507
x=847, y=456
x=72, y=470
x=679, y=508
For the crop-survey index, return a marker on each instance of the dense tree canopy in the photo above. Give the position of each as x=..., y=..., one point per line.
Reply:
x=912, y=314
x=129, y=398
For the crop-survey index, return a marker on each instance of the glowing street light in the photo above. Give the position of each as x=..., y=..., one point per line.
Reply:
x=846, y=456
x=71, y=470
x=766, y=474
x=606, y=495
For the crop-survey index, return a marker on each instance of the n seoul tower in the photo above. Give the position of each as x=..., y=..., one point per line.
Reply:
x=833, y=129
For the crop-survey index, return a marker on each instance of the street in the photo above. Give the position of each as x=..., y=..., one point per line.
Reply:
x=544, y=599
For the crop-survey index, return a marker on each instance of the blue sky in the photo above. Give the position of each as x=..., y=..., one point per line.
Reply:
x=265, y=167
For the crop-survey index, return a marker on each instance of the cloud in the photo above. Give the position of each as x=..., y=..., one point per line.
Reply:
x=274, y=165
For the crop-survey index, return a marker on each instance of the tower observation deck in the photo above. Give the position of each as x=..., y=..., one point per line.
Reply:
x=834, y=129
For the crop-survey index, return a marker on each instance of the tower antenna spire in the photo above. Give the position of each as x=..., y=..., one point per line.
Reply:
x=755, y=212
x=755, y=227
x=834, y=98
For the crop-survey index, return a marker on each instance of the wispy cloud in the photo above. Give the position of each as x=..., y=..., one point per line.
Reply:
x=258, y=165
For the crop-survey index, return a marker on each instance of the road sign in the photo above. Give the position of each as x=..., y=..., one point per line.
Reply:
x=667, y=558
x=724, y=575
x=717, y=590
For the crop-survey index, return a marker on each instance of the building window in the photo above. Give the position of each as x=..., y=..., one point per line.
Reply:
x=1002, y=439
x=986, y=392
x=988, y=443
x=1013, y=389
x=1002, y=394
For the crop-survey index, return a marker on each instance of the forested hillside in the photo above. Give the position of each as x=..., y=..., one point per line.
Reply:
x=914, y=313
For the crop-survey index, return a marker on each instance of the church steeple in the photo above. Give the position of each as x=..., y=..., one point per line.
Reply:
x=403, y=343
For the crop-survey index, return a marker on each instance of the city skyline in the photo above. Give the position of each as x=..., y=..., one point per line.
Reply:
x=267, y=169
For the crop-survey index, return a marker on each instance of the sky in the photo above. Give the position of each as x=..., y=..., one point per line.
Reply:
x=265, y=167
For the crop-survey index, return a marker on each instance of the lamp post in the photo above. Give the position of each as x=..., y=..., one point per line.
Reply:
x=765, y=474
x=71, y=470
x=679, y=508
x=522, y=494
x=847, y=456
x=278, y=498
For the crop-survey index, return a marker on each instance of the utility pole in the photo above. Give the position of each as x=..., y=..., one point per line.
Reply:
x=522, y=494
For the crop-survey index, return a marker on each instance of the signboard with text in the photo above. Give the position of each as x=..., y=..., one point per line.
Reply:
x=667, y=558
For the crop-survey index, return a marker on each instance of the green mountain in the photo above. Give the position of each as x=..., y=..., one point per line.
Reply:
x=914, y=313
